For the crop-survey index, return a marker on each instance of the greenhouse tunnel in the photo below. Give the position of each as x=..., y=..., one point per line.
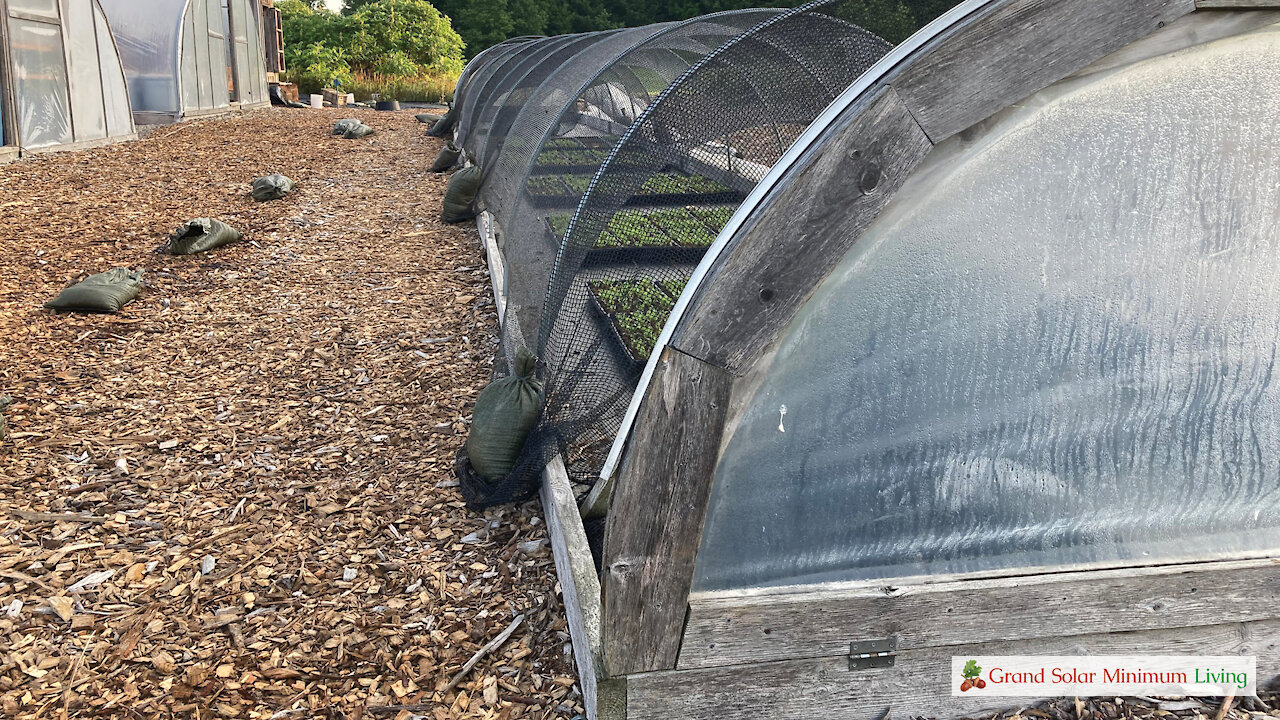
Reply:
x=597, y=72
x=190, y=58
x=1087, y=380
x=445, y=126
x=985, y=322
x=68, y=88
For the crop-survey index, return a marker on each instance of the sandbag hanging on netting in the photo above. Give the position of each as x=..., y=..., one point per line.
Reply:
x=447, y=158
x=427, y=118
x=102, y=293
x=342, y=126
x=460, y=194
x=505, y=412
x=271, y=187
x=358, y=132
x=200, y=235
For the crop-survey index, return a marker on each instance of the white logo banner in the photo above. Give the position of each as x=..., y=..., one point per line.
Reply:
x=1096, y=675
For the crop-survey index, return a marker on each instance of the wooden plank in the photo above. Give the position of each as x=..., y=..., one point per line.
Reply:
x=1237, y=4
x=497, y=264
x=821, y=211
x=1019, y=47
x=728, y=630
x=919, y=684
x=658, y=507
x=579, y=585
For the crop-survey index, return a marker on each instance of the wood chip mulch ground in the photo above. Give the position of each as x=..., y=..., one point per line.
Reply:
x=235, y=497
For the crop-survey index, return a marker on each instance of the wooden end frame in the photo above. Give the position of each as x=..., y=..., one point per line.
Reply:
x=1000, y=53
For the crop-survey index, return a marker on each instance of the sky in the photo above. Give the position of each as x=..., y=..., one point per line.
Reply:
x=334, y=5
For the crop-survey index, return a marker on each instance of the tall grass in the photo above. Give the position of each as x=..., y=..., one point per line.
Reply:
x=424, y=88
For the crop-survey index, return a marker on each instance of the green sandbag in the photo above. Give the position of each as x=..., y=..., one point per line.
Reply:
x=505, y=413
x=460, y=193
x=102, y=293
x=447, y=158
x=427, y=118
x=200, y=235
x=358, y=132
x=271, y=187
x=342, y=126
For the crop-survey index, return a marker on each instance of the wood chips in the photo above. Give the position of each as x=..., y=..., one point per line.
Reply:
x=235, y=498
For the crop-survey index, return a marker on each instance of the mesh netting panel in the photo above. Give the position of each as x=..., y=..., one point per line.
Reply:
x=445, y=125
x=667, y=187
x=590, y=115
x=496, y=119
x=480, y=83
x=633, y=181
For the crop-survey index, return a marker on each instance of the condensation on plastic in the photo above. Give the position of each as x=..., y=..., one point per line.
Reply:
x=40, y=83
x=727, y=119
x=87, y=112
x=1055, y=347
x=173, y=54
x=43, y=8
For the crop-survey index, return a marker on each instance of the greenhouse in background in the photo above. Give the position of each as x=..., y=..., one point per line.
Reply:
x=190, y=58
x=863, y=358
x=65, y=88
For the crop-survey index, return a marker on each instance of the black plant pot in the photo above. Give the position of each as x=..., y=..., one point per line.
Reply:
x=387, y=105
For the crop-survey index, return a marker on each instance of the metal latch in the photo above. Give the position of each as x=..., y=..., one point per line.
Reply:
x=869, y=654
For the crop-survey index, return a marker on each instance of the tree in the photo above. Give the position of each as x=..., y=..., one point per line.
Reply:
x=406, y=34
x=397, y=38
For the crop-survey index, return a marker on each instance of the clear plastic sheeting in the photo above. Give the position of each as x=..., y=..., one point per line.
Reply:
x=1056, y=346
x=89, y=118
x=40, y=83
x=189, y=57
x=67, y=79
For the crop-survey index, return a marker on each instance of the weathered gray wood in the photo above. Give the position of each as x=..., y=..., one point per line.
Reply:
x=497, y=265
x=728, y=630
x=803, y=234
x=579, y=585
x=1002, y=56
x=1208, y=4
x=918, y=684
x=596, y=503
x=658, y=508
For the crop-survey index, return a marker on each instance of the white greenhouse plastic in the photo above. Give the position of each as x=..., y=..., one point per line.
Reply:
x=187, y=58
x=68, y=88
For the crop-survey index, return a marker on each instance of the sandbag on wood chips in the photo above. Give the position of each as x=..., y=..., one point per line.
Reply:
x=201, y=235
x=102, y=293
x=427, y=118
x=460, y=194
x=271, y=187
x=447, y=158
x=342, y=126
x=358, y=132
x=506, y=410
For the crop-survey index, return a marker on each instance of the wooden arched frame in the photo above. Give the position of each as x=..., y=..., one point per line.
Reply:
x=993, y=55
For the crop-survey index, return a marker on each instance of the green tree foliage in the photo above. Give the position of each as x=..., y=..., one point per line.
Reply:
x=483, y=23
x=398, y=38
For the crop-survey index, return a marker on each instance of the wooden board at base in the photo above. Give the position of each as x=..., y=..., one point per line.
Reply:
x=919, y=684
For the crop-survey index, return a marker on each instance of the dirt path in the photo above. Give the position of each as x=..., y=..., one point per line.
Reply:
x=235, y=497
